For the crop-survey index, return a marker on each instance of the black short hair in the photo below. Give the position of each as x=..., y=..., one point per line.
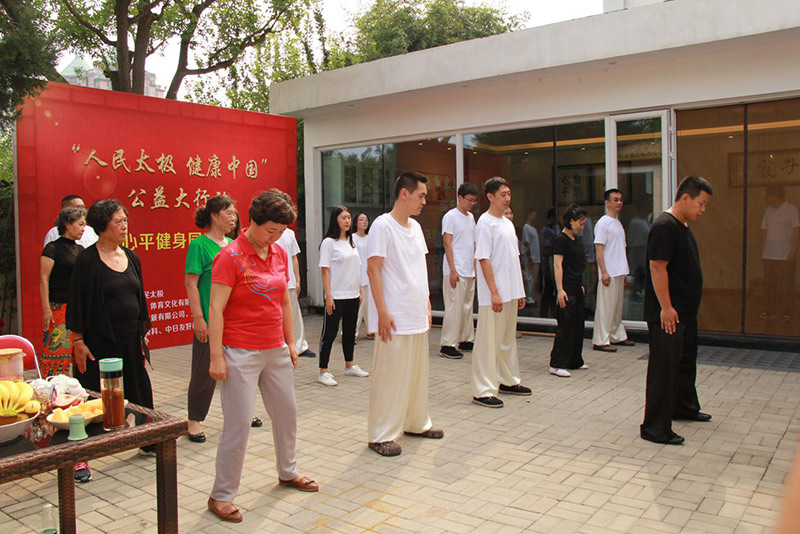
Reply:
x=776, y=190
x=491, y=185
x=409, y=181
x=68, y=215
x=693, y=186
x=100, y=213
x=572, y=213
x=67, y=199
x=609, y=192
x=272, y=206
x=214, y=205
x=467, y=189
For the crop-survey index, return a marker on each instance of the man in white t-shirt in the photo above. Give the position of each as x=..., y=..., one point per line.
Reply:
x=612, y=269
x=288, y=241
x=500, y=294
x=89, y=236
x=400, y=311
x=531, y=257
x=781, y=232
x=458, y=267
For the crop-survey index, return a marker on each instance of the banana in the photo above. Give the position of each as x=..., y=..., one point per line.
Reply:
x=25, y=395
x=33, y=407
x=13, y=392
x=4, y=396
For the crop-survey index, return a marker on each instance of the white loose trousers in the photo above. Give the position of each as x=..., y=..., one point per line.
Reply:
x=298, y=328
x=458, y=302
x=608, y=327
x=398, y=392
x=363, y=309
x=494, y=356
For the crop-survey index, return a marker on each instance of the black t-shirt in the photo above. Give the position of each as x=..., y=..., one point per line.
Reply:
x=63, y=252
x=122, y=301
x=672, y=241
x=572, y=265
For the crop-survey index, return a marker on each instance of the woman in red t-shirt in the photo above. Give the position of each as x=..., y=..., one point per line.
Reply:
x=252, y=346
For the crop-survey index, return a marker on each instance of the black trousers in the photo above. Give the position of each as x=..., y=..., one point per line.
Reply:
x=671, y=377
x=201, y=385
x=568, y=344
x=345, y=310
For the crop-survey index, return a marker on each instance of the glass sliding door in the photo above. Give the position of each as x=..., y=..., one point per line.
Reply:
x=638, y=165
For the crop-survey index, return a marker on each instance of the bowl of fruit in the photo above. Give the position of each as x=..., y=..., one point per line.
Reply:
x=17, y=409
x=92, y=412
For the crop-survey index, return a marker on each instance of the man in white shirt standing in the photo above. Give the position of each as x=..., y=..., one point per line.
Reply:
x=401, y=312
x=781, y=231
x=531, y=257
x=89, y=236
x=288, y=241
x=500, y=294
x=612, y=269
x=458, y=267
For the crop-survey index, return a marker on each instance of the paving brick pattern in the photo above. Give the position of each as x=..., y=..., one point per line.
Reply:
x=568, y=459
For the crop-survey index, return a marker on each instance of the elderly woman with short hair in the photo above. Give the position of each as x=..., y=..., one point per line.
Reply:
x=107, y=309
x=55, y=272
x=252, y=347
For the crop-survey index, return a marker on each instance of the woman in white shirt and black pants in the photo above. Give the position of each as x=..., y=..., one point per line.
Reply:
x=341, y=281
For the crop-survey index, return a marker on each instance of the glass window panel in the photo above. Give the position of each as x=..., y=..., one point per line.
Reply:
x=580, y=174
x=773, y=194
x=436, y=159
x=639, y=164
x=711, y=144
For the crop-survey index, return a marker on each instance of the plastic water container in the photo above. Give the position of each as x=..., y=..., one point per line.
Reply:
x=11, y=366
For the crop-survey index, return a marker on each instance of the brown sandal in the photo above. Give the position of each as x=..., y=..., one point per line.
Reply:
x=386, y=448
x=228, y=513
x=604, y=348
x=431, y=433
x=301, y=483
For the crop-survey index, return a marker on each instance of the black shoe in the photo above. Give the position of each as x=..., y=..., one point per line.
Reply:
x=488, y=402
x=466, y=346
x=519, y=389
x=197, y=438
x=674, y=440
x=307, y=354
x=450, y=352
x=699, y=416
x=256, y=423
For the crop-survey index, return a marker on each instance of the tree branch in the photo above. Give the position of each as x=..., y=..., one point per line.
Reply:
x=148, y=8
x=86, y=24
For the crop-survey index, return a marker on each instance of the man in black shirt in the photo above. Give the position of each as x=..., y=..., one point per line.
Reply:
x=674, y=283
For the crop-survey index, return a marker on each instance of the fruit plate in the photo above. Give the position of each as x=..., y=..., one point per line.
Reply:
x=65, y=426
x=14, y=430
x=86, y=421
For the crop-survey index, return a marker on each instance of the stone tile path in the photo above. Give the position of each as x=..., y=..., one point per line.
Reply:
x=568, y=459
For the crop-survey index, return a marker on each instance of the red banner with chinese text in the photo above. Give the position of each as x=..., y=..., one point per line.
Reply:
x=161, y=159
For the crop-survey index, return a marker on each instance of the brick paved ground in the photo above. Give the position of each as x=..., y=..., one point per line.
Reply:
x=567, y=459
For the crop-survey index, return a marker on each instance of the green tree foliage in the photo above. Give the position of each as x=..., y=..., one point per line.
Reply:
x=213, y=34
x=394, y=27
x=27, y=56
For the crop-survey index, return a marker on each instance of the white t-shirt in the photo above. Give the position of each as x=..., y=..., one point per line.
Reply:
x=530, y=241
x=289, y=244
x=404, y=274
x=609, y=232
x=497, y=242
x=88, y=238
x=462, y=227
x=345, y=265
x=361, y=246
x=779, y=223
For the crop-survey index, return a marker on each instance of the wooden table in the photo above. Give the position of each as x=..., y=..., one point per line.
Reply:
x=40, y=450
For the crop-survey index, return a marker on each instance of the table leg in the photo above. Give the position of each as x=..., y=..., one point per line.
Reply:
x=167, y=486
x=66, y=500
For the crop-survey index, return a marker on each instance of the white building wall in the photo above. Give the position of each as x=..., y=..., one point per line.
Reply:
x=756, y=68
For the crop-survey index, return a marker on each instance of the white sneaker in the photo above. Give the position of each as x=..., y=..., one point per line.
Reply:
x=355, y=370
x=560, y=372
x=584, y=366
x=326, y=379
